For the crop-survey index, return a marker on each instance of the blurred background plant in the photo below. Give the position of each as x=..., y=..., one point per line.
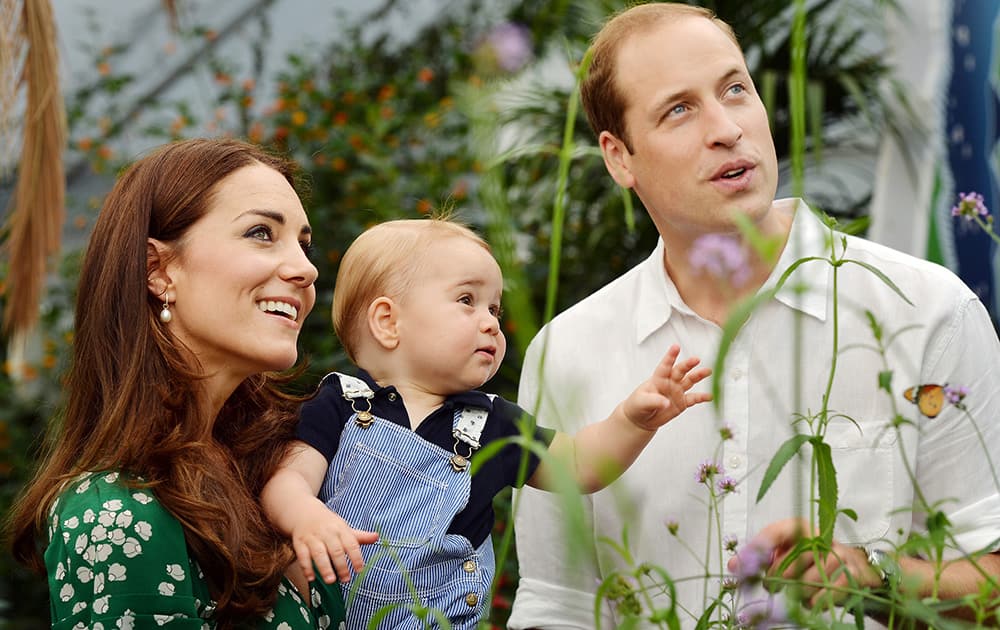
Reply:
x=383, y=128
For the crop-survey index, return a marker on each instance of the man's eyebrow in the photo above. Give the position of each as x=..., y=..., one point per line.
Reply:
x=684, y=94
x=734, y=73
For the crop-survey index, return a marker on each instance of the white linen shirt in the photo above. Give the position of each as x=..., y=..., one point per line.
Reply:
x=599, y=350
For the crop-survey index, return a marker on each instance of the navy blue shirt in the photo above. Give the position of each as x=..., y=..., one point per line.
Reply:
x=322, y=420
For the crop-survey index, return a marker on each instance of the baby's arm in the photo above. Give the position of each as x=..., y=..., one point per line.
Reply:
x=600, y=452
x=319, y=535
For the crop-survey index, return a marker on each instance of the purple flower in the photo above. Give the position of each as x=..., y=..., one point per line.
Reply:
x=707, y=470
x=721, y=256
x=729, y=583
x=507, y=47
x=751, y=560
x=970, y=205
x=761, y=614
x=726, y=485
x=954, y=394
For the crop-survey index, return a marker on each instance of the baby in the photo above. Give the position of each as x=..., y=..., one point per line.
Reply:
x=385, y=455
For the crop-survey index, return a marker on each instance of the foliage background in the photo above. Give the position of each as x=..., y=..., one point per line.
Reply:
x=384, y=130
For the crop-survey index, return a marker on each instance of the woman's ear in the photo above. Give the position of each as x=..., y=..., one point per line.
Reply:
x=157, y=276
x=617, y=159
x=382, y=322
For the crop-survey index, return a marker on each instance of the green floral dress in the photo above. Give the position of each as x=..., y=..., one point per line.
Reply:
x=118, y=560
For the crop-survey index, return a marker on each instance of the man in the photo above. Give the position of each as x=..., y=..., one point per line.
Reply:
x=679, y=121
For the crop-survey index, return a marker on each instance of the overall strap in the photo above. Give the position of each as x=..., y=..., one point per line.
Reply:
x=354, y=388
x=467, y=427
x=469, y=423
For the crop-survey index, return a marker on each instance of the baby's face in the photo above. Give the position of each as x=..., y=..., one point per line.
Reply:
x=449, y=318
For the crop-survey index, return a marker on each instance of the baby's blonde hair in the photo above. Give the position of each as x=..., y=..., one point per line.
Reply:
x=383, y=261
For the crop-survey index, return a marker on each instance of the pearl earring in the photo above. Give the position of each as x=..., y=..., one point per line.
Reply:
x=165, y=314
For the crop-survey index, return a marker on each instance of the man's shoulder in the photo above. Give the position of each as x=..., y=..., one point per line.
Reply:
x=610, y=301
x=905, y=270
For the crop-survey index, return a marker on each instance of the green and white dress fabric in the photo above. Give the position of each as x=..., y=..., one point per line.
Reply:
x=117, y=560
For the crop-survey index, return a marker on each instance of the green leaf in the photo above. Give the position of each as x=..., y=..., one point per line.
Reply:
x=827, y=480
x=874, y=325
x=785, y=453
x=881, y=276
x=705, y=621
x=885, y=380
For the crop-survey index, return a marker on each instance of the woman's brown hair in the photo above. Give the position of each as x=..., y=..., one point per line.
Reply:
x=130, y=390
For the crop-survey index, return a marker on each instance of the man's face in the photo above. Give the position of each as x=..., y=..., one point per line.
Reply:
x=702, y=148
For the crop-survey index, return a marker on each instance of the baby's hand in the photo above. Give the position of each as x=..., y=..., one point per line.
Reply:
x=324, y=538
x=665, y=394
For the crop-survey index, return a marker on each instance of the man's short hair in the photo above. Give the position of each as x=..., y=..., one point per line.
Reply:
x=602, y=99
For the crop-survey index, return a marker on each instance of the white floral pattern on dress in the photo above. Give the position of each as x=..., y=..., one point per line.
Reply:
x=105, y=540
x=175, y=571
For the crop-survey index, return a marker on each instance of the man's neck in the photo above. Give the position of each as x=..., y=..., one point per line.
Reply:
x=712, y=297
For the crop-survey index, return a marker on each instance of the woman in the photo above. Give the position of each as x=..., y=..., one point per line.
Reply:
x=193, y=289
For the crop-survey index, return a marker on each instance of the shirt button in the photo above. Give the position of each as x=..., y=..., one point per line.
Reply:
x=469, y=566
x=392, y=396
x=471, y=599
x=736, y=374
x=735, y=461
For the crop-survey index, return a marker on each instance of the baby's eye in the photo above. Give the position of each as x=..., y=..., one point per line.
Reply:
x=260, y=232
x=496, y=311
x=466, y=299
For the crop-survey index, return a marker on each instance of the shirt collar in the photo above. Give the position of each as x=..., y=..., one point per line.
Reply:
x=806, y=289
x=472, y=398
x=658, y=297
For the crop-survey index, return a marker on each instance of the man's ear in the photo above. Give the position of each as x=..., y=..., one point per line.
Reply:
x=617, y=159
x=157, y=274
x=382, y=322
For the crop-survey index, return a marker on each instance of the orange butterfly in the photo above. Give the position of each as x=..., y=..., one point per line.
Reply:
x=929, y=398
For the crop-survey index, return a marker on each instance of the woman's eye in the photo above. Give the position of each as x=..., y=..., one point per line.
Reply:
x=737, y=89
x=260, y=232
x=308, y=248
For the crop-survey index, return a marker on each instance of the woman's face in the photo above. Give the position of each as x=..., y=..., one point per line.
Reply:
x=241, y=283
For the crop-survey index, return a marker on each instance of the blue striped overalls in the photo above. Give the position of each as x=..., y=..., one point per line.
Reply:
x=385, y=478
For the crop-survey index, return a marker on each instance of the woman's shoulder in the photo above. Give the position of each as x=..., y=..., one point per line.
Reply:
x=108, y=501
